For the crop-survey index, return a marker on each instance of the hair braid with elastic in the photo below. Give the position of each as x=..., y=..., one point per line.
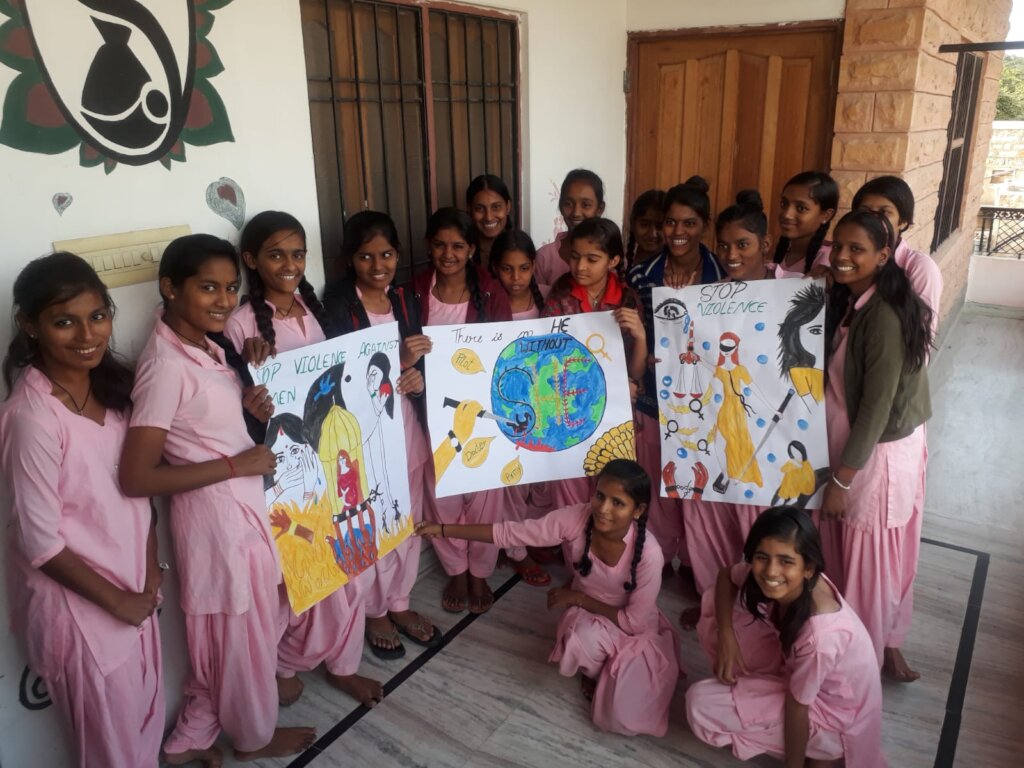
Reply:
x=475, y=294
x=264, y=315
x=316, y=308
x=813, y=245
x=538, y=297
x=638, y=551
x=584, y=564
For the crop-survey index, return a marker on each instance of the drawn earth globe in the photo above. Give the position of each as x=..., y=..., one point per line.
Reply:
x=550, y=392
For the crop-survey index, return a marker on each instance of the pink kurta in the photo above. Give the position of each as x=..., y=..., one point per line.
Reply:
x=458, y=556
x=331, y=632
x=227, y=563
x=549, y=265
x=635, y=660
x=830, y=668
x=395, y=575
x=664, y=515
x=879, y=539
x=290, y=332
x=821, y=260
x=103, y=675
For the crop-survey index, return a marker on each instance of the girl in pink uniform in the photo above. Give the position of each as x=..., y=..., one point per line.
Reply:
x=490, y=205
x=581, y=197
x=364, y=298
x=83, y=577
x=188, y=440
x=453, y=290
x=612, y=632
x=796, y=673
x=808, y=204
x=283, y=313
x=594, y=285
x=513, y=258
x=877, y=402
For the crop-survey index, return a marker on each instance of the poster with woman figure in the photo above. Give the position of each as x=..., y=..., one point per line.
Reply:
x=336, y=502
x=741, y=389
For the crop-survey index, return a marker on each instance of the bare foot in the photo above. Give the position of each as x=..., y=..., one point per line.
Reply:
x=588, y=686
x=286, y=741
x=289, y=689
x=365, y=690
x=211, y=758
x=688, y=618
x=895, y=667
x=480, y=596
x=455, y=597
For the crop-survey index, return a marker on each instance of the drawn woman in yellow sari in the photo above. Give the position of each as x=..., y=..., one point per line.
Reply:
x=731, y=422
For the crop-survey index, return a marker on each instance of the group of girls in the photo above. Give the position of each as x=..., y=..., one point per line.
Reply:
x=84, y=441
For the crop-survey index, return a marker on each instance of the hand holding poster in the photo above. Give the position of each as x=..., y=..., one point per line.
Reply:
x=336, y=505
x=526, y=401
x=741, y=391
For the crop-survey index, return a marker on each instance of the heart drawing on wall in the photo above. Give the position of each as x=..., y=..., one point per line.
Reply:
x=226, y=199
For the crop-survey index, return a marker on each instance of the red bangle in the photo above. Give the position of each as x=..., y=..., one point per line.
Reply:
x=231, y=467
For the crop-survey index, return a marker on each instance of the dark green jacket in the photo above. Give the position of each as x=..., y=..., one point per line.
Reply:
x=884, y=401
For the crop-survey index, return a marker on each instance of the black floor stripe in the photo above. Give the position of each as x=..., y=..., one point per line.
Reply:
x=948, y=737
x=404, y=674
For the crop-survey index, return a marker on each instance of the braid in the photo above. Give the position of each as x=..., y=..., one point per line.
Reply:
x=630, y=250
x=264, y=314
x=538, y=298
x=475, y=295
x=813, y=245
x=308, y=294
x=781, y=249
x=638, y=551
x=583, y=566
x=257, y=429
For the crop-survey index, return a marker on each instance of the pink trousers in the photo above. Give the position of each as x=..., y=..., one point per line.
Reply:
x=231, y=685
x=393, y=578
x=715, y=534
x=329, y=633
x=117, y=719
x=665, y=516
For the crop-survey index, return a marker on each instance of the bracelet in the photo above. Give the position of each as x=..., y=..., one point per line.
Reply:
x=292, y=529
x=231, y=468
x=442, y=531
x=840, y=483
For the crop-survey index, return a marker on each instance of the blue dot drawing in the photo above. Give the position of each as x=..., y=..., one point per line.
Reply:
x=748, y=494
x=746, y=391
x=762, y=359
x=718, y=398
x=663, y=394
x=759, y=326
x=802, y=423
x=664, y=341
x=706, y=345
x=666, y=381
x=761, y=423
x=771, y=457
x=681, y=453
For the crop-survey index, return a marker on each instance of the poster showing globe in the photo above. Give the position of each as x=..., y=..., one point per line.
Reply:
x=526, y=401
x=740, y=377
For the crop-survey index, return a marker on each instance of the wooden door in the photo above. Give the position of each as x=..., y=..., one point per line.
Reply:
x=743, y=108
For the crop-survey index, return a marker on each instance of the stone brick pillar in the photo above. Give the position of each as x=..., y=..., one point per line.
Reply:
x=893, y=109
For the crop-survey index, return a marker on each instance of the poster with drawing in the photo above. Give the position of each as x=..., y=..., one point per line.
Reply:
x=740, y=378
x=526, y=401
x=336, y=503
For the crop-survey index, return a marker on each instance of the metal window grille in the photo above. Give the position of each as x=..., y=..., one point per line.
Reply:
x=961, y=125
x=407, y=104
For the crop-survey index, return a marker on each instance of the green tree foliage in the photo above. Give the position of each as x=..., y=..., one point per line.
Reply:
x=1010, y=102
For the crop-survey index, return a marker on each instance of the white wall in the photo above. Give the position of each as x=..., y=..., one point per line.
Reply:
x=643, y=15
x=264, y=89
x=997, y=281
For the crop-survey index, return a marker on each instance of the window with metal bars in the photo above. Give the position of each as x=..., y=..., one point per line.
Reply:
x=958, y=147
x=408, y=102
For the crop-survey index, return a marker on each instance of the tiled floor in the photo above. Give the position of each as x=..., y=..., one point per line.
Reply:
x=488, y=698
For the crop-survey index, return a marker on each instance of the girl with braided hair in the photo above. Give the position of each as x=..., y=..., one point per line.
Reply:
x=808, y=204
x=611, y=632
x=281, y=311
x=453, y=290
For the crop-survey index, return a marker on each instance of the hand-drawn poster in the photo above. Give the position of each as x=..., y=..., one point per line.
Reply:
x=741, y=391
x=336, y=503
x=526, y=401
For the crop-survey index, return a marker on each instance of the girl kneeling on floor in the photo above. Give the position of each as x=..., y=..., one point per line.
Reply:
x=796, y=671
x=612, y=631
